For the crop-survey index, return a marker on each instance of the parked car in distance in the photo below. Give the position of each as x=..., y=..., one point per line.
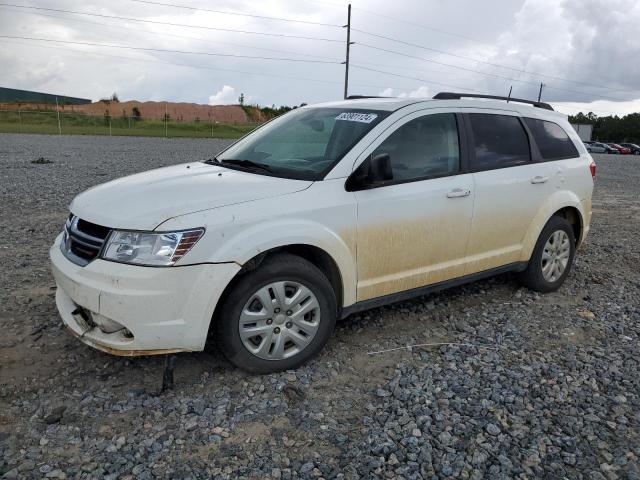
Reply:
x=633, y=148
x=325, y=211
x=594, y=147
x=621, y=150
x=608, y=148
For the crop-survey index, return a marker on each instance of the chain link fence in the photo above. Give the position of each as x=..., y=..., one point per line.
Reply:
x=66, y=123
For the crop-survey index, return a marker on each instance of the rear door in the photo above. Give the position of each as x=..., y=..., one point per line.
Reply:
x=510, y=188
x=413, y=230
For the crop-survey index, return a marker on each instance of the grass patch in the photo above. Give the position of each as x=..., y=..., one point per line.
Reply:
x=79, y=124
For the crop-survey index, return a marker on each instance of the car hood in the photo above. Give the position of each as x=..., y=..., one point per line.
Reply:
x=145, y=200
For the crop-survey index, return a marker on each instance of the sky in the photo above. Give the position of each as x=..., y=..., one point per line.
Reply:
x=585, y=52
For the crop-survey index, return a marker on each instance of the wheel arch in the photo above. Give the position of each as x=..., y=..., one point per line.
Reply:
x=565, y=204
x=574, y=217
x=312, y=253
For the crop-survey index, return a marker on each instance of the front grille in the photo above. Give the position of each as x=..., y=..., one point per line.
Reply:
x=83, y=240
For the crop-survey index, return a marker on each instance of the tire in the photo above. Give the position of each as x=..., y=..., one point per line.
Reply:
x=536, y=276
x=280, y=340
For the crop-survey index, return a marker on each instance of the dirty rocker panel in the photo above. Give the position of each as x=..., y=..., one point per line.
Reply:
x=427, y=289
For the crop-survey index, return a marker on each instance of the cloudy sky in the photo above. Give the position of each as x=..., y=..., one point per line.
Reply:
x=586, y=52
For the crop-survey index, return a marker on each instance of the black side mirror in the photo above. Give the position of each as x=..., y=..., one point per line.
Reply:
x=372, y=172
x=380, y=168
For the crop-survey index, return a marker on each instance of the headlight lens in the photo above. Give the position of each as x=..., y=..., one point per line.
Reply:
x=152, y=249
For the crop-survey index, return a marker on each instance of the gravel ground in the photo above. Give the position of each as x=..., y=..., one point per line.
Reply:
x=535, y=386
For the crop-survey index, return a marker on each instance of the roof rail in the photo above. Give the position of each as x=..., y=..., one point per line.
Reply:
x=458, y=96
x=359, y=97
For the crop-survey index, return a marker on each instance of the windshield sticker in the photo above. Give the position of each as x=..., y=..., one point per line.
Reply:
x=357, y=117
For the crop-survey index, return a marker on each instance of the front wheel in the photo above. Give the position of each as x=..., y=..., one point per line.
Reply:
x=552, y=257
x=276, y=317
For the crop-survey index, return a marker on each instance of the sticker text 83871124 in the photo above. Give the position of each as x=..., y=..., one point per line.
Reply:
x=357, y=117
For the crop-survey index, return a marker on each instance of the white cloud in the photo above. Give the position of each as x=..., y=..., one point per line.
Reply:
x=421, y=92
x=226, y=96
x=387, y=92
x=583, y=50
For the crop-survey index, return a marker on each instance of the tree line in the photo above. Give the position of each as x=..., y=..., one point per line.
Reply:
x=616, y=129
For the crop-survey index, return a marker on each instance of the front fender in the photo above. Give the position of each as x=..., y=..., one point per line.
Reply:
x=556, y=201
x=249, y=242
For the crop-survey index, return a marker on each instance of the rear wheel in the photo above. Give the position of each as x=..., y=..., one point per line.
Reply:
x=552, y=257
x=276, y=317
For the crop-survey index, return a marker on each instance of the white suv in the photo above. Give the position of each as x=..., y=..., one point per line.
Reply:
x=322, y=212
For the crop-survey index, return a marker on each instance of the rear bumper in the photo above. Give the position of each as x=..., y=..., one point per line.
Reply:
x=164, y=309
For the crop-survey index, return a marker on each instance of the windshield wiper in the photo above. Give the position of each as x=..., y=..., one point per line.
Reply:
x=248, y=164
x=213, y=161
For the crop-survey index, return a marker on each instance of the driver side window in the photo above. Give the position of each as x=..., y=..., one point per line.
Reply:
x=424, y=147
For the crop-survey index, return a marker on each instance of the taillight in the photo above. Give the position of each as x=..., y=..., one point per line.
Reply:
x=592, y=167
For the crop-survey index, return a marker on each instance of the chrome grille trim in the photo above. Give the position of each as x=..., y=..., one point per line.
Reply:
x=80, y=247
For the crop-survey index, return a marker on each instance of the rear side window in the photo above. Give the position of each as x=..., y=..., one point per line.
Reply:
x=553, y=142
x=500, y=141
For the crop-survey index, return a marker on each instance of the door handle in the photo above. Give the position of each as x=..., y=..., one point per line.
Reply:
x=539, y=179
x=459, y=192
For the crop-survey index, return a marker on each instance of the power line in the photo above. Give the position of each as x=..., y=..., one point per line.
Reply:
x=443, y=52
x=136, y=60
x=157, y=22
x=445, y=32
x=395, y=52
x=164, y=34
x=185, y=7
x=149, y=49
x=186, y=65
x=495, y=75
x=289, y=36
x=447, y=85
x=468, y=89
x=424, y=27
x=406, y=22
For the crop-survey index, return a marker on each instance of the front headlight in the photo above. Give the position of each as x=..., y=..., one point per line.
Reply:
x=151, y=249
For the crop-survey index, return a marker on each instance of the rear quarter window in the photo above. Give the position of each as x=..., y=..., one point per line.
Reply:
x=553, y=142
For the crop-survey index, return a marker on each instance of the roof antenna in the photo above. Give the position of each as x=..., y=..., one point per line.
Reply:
x=509, y=97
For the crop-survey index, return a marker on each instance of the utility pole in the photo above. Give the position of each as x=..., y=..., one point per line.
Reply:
x=509, y=97
x=542, y=85
x=346, y=62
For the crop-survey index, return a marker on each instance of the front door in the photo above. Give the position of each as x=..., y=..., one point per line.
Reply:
x=413, y=230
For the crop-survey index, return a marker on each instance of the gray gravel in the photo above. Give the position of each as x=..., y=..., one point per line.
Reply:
x=545, y=386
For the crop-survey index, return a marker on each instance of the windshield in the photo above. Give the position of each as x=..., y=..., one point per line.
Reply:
x=303, y=144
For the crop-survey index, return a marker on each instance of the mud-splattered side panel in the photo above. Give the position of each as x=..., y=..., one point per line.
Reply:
x=411, y=235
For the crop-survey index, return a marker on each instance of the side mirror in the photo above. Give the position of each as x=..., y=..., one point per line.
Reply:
x=380, y=168
x=373, y=171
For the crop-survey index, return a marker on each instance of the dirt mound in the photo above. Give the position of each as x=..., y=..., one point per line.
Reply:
x=149, y=110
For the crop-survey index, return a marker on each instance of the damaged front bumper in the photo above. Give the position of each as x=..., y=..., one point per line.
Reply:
x=133, y=310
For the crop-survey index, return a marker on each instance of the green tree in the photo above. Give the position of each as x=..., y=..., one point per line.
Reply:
x=611, y=128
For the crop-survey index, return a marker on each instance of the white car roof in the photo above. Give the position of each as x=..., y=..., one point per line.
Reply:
x=392, y=104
